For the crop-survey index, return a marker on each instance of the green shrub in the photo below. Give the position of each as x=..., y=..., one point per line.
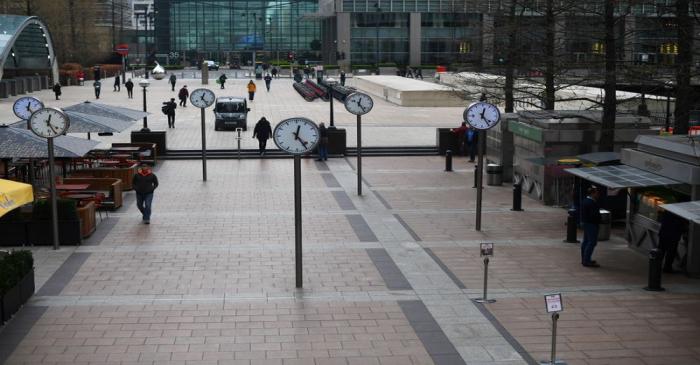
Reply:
x=67, y=210
x=13, y=267
x=366, y=67
x=387, y=64
x=330, y=67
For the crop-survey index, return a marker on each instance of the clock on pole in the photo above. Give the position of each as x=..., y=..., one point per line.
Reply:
x=25, y=106
x=202, y=99
x=359, y=104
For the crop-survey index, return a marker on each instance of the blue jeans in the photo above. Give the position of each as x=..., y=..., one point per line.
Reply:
x=590, y=240
x=143, y=202
x=322, y=152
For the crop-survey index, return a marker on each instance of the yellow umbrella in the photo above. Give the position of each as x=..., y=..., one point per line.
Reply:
x=14, y=195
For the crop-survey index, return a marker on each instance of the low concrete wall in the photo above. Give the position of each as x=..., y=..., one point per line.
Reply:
x=409, y=92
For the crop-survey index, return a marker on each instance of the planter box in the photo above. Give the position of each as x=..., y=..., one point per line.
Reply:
x=446, y=140
x=157, y=137
x=11, y=302
x=336, y=141
x=14, y=233
x=26, y=287
x=40, y=232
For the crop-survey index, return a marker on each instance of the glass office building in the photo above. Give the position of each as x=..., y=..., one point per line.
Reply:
x=216, y=29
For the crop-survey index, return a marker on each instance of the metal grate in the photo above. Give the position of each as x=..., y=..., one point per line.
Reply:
x=621, y=176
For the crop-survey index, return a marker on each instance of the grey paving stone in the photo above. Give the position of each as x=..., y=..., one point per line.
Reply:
x=343, y=200
x=64, y=274
x=436, y=343
x=103, y=228
x=393, y=278
x=362, y=230
x=444, y=268
x=17, y=328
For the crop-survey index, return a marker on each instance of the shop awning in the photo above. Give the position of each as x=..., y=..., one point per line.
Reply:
x=621, y=176
x=13, y=195
x=687, y=210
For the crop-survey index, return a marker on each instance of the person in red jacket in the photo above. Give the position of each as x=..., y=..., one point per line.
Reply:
x=183, y=95
x=460, y=132
x=144, y=183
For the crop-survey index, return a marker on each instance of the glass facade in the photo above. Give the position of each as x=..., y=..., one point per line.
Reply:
x=450, y=38
x=214, y=27
x=389, y=30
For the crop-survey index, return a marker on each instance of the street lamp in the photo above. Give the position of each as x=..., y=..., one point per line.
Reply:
x=330, y=82
x=144, y=84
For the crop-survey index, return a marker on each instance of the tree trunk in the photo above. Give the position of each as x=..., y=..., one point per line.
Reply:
x=684, y=91
x=549, y=47
x=73, y=33
x=510, y=62
x=607, y=135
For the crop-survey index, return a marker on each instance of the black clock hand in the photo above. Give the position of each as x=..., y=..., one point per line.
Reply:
x=48, y=121
x=53, y=129
x=482, y=114
x=297, y=133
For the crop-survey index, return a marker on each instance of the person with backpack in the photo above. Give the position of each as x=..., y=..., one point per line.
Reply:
x=222, y=80
x=97, y=85
x=169, y=110
x=251, y=90
x=183, y=95
x=57, y=90
x=263, y=132
x=129, y=88
x=172, y=80
x=268, y=80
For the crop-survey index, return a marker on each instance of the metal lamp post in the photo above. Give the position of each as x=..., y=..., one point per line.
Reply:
x=144, y=84
x=330, y=82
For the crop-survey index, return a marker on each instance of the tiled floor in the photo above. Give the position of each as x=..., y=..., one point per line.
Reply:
x=388, y=277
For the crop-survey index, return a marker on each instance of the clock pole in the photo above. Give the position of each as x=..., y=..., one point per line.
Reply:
x=52, y=184
x=297, y=220
x=359, y=155
x=204, y=148
x=481, y=139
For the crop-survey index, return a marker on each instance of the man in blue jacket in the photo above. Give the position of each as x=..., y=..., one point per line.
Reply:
x=590, y=217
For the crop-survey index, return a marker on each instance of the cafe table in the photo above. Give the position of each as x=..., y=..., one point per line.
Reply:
x=72, y=186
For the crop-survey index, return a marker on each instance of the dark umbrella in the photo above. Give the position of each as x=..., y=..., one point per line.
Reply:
x=107, y=111
x=23, y=143
x=88, y=123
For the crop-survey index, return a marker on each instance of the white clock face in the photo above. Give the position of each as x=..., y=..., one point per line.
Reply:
x=25, y=106
x=359, y=103
x=296, y=135
x=202, y=98
x=49, y=123
x=482, y=115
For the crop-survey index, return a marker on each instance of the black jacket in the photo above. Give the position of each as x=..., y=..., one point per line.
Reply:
x=672, y=228
x=590, y=211
x=57, y=89
x=170, y=107
x=144, y=184
x=129, y=85
x=262, y=130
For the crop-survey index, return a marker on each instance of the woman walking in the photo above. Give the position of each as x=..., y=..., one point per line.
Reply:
x=57, y=90
x=262, y=132
x=251, y=90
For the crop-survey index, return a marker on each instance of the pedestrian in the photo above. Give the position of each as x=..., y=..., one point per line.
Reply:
x=483, y=97
x=81, y=77
x=57, y=90
x=169, y=110
x=274, y=72
x=419, y=73
x=672, y=228
x=172, y=79
x=461, y=133
x=342, y=78
x=268, y=80
x=144, y=184
x=307, y=72
x=322, y=142
x=590, y=217
x=409, y=72
x=251, y=90
x=98, y=86
x=222, y=80
x=129, y=89
x=117, y=83
x=471, y=140
x=262, y=132
x=96, y=71
x=183, y=95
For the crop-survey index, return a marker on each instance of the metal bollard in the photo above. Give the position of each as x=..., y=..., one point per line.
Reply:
x=571, y=227
x=448, y=160
x=654, y=281
x=476, y=175
x=485, y=298
x=517, y=197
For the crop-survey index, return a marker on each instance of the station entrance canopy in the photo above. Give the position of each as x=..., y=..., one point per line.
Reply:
x=621, y=176
x=26, y=47
x=687, y=210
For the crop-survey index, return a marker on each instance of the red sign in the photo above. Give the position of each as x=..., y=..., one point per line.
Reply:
x=122, y=49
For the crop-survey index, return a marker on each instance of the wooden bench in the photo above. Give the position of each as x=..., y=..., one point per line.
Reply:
x=125, y=174
x=147, y=151
x=110, y=187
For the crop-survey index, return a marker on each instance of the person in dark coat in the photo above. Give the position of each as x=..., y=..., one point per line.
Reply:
x=461, y=133
x=268, y=81
x=419, y=73
x=590, y=218
x=222, y=80
x=98, y=87
x=262, y=132
x=183, y=95
x=129, y=88
x=172, y=80
x=144, y=184
x=342, y=78
x=274, y=72
x=96, y=72
x=322, y=142
x=169, y=108
x=670, y=233
x=471, y=142
x=117, y=83
x=57, y=90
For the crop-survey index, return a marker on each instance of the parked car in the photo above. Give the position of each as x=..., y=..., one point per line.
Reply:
x=211, y=65
x=230, y=113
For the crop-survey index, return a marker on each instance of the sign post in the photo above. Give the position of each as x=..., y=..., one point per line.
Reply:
x=123, y=50
x=486, y=251
x=554, y=305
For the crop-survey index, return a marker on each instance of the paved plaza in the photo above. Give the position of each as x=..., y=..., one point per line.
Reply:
x=388, y=277
x=387, y=125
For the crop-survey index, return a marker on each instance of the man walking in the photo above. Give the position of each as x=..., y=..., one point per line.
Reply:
x=117, y=83
x=262, y=131
x=98, y=87
x=183, y=95
x=129, y=88
x=144, y=183
x=169, y=109
x=57, y=90
x=342, y=78
x=172, y=79
x=590, y=217
x=268, y=80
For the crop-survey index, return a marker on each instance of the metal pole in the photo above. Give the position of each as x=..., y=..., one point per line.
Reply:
x=485, y=298
x=480, y=178
x=668, y=110
x=359, y=154
x=238, y=138
x=52, y=184
x=297, y=220
x=330, y=88
x=204, y=148
x=555, y=317
x=145, y=118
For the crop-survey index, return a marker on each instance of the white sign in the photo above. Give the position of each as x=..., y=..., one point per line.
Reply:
x=486, y=249
x=554, y=303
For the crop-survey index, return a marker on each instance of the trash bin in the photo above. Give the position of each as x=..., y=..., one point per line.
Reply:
x=494, y=174
x=605, y=225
